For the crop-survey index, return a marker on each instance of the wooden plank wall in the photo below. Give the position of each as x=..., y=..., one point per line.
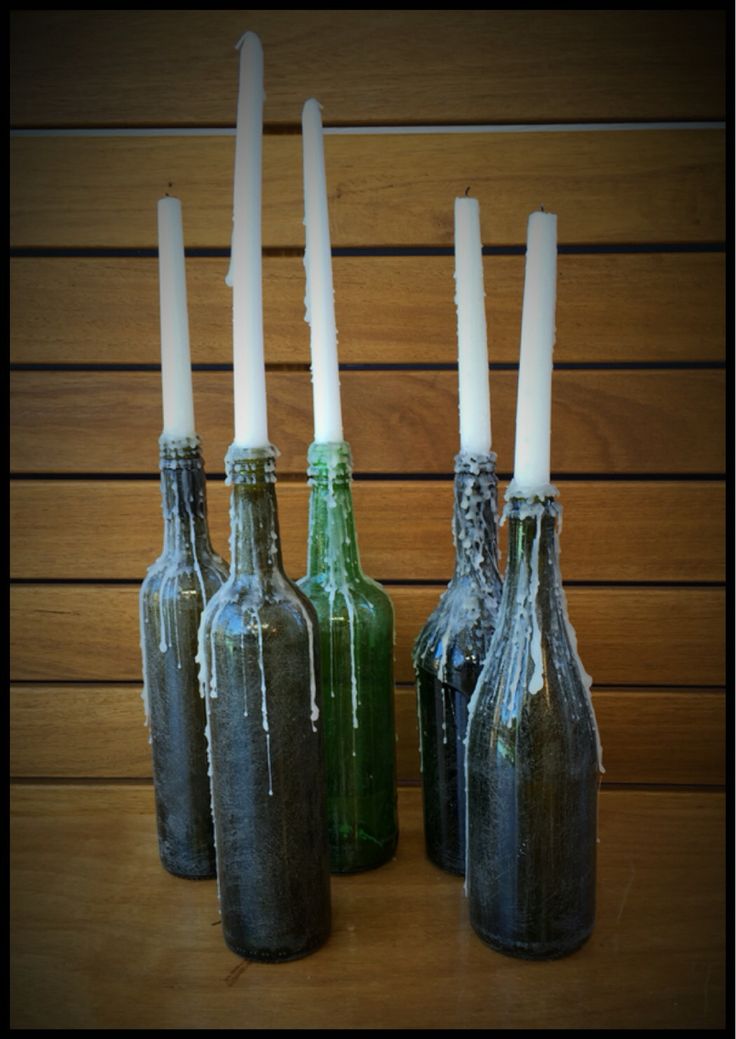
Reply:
x=611, y=119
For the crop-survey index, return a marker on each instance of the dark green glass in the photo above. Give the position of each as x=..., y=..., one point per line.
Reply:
x=533, y=760
x=259, y=661
x=356, y=624
x=172, y=596
x=449, y=654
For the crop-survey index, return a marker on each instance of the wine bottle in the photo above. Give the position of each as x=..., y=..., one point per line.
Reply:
x=172, y=596
x=259, y=669
x=449, y=653
x=533, y=759
x=356, y=624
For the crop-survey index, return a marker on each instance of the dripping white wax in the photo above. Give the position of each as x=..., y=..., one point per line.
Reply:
x=534, y=397
x=474, y=399
x=245, y=277
x=176, y=369
x=320, y=297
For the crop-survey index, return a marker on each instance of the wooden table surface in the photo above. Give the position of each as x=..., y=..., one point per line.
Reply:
x=102, y=937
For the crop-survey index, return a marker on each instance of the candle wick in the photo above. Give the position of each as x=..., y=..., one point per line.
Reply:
x=542, y=208
x=467, y=190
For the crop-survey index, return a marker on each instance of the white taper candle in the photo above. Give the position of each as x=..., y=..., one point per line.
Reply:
x=320, y=299
x=245, y=276
x=534, y=395
x=474, y=396
x=176, y=369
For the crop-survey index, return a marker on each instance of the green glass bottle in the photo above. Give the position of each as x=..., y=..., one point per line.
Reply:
x=533, y=759
x=172, y=596
x=449, y=654
x=259, y=669
x=356, y=624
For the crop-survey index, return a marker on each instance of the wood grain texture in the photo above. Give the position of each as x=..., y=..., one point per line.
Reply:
x=626, y=636
x=179, y=67
x=606, y=187
x=396, y=421
x=97, y=731
x=102, y=937
x=612, y=531
x=669, y=307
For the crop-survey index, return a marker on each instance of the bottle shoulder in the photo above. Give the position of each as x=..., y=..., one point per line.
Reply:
x=356, y=591
x=358, y=595
x=460, y=627
x=184, y=573
x=541, y=696
x=276, y=602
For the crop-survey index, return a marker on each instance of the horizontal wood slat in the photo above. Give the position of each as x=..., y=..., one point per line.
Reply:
x=662, y=736
x=626, y=636
x=103, y=937
x=669, y=307
x=180, y=67
x=606, y=187
x=396, y=421
x=612, y=531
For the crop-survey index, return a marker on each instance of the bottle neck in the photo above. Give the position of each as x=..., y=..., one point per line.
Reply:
x=255, y=548
x=475, y=519
x=183, y=497
x=333, y=546
x=533, y=578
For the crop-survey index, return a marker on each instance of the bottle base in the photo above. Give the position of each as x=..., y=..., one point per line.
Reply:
x=191, y=872
x=184, y=875
x=446, y=866
x=275, y=956
x=532, y=950
x=341, y=865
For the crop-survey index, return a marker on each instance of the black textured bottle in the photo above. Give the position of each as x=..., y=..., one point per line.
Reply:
x=173, y=594
x=533, y=760
x=449, y=654
x=259, y=659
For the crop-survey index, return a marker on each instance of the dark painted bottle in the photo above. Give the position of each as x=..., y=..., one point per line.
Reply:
x=173, y=594
x=533, y=760
x=449, y=654
x=356, y=624
x=259, y=659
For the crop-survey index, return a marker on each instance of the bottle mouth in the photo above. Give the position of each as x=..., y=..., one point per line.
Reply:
x=538, y=509
x=471, y=464
x=329, y=461
x=180, y=452
x=544, y=492
x=250, y=465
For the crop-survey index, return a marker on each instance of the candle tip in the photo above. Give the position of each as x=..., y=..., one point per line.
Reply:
x=249, y=37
